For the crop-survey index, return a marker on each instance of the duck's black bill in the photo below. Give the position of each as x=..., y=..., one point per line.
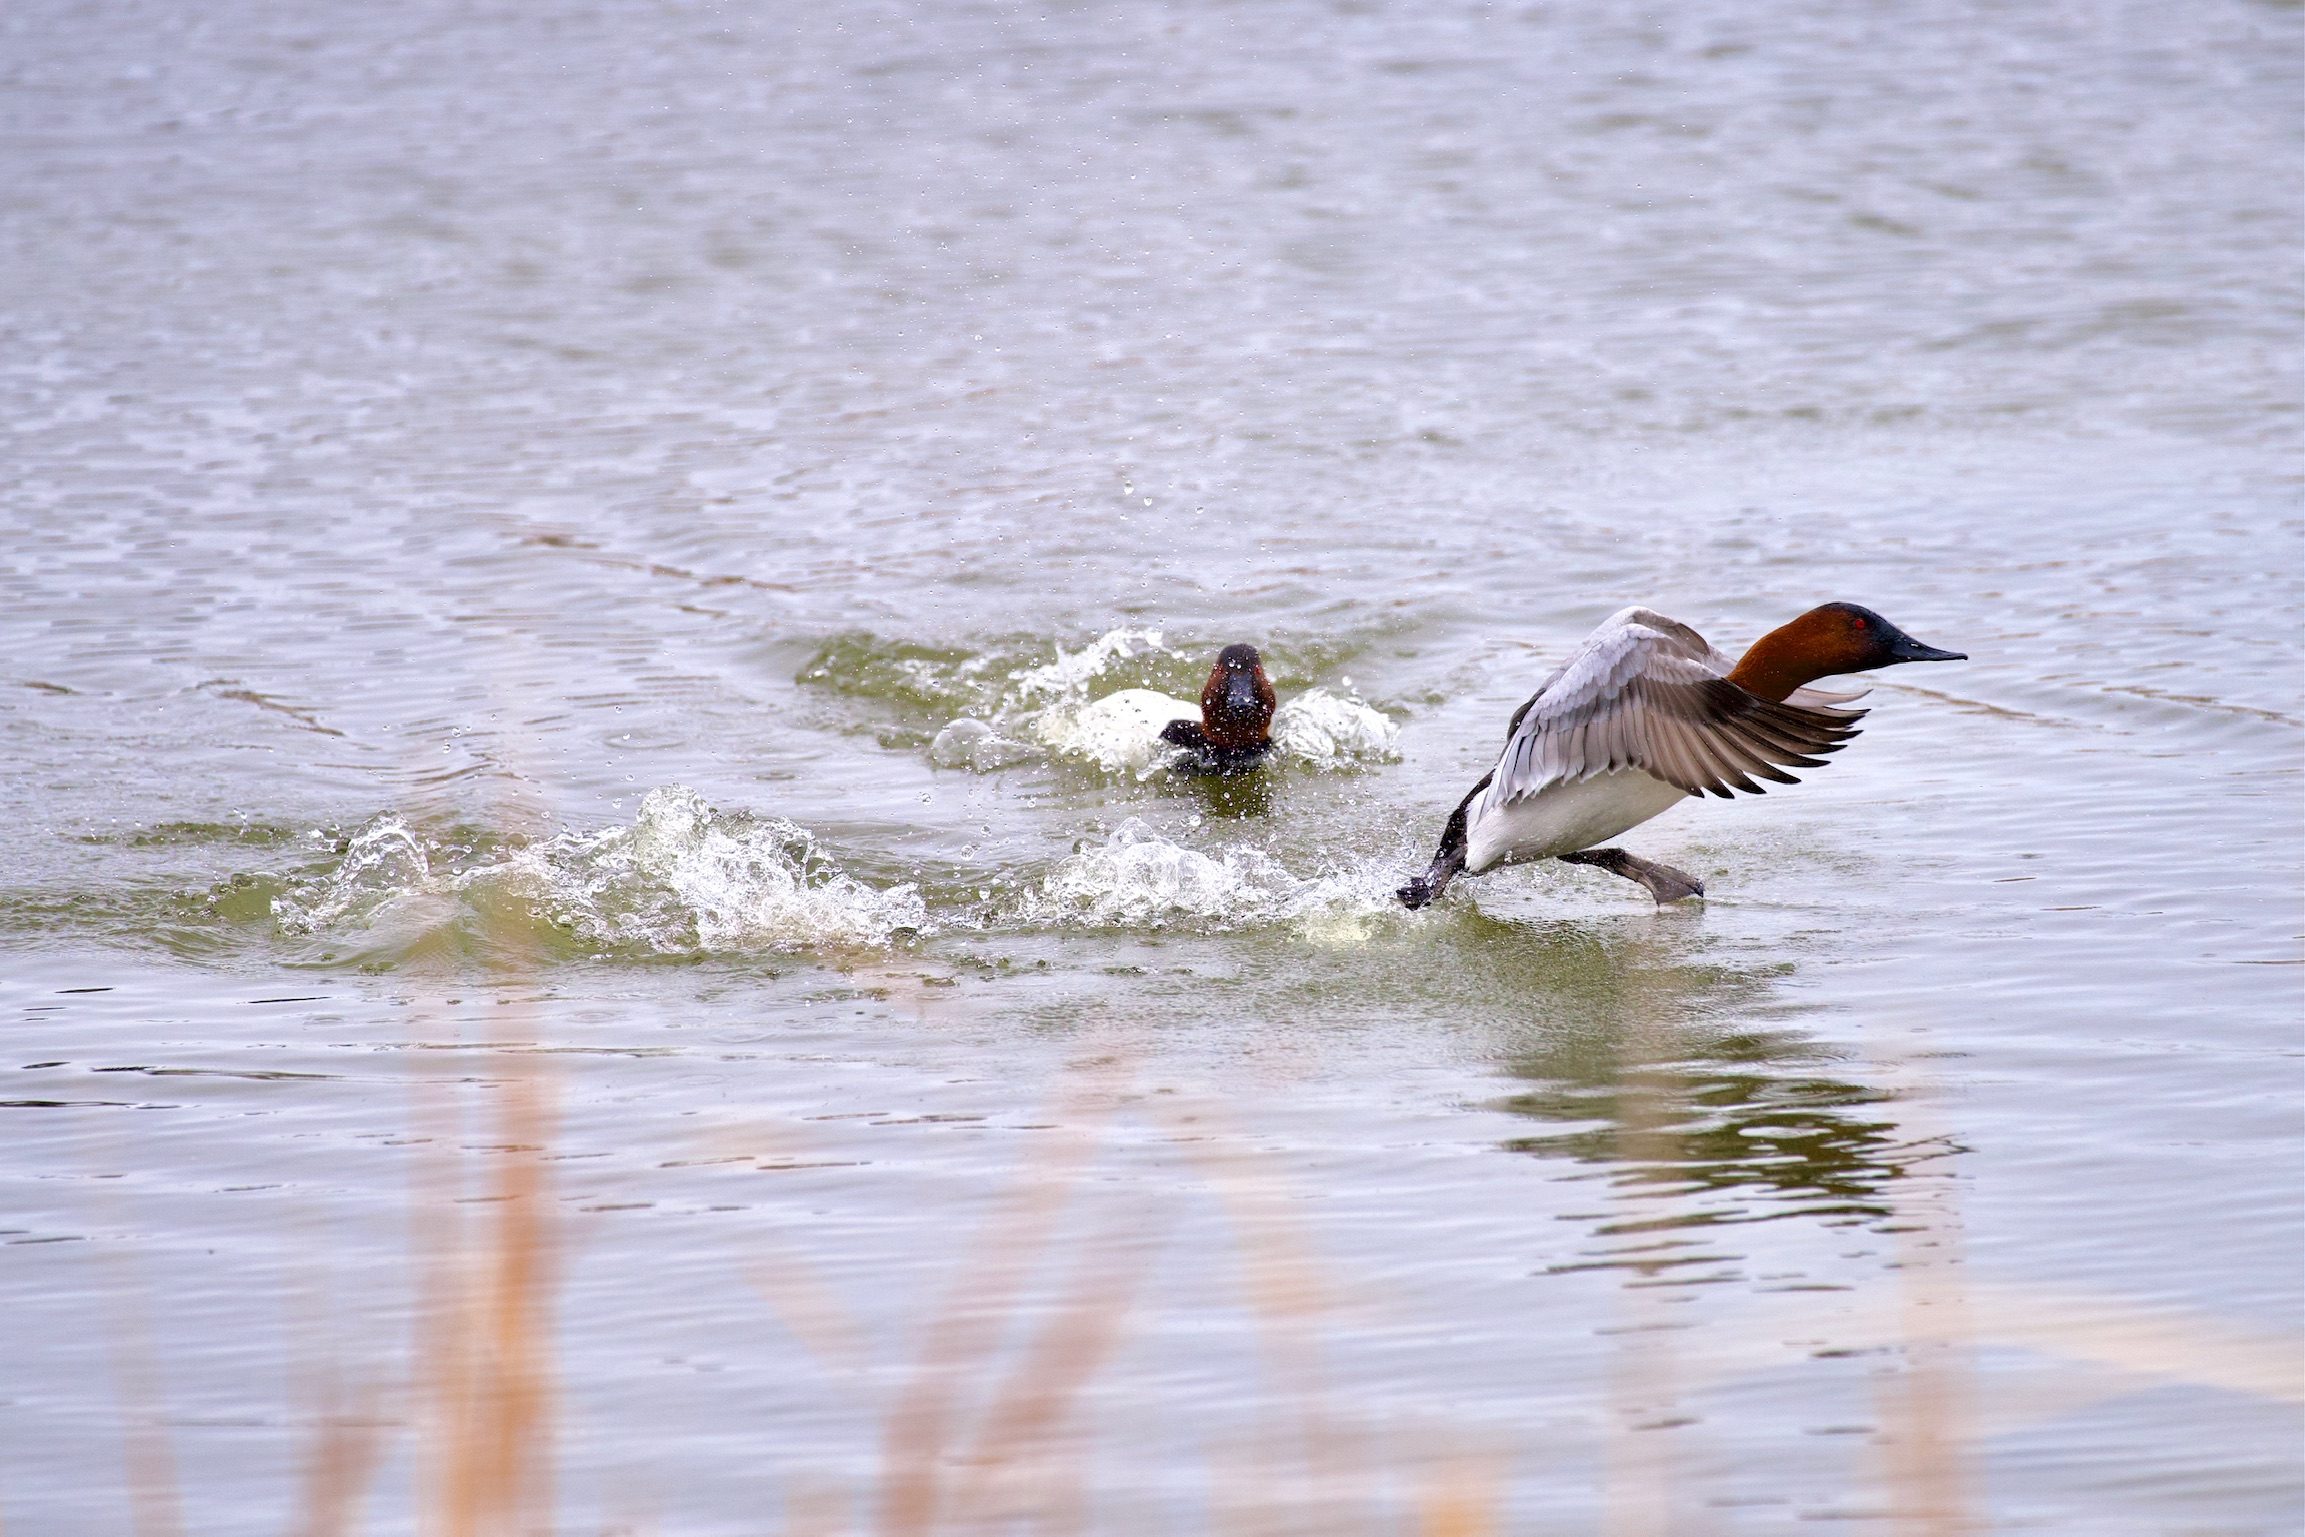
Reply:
x=1906, y=649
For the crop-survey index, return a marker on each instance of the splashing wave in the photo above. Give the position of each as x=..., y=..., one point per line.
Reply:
x=1069, y=676
x=1330, y=730
x=1136, y=877
x=682, y=878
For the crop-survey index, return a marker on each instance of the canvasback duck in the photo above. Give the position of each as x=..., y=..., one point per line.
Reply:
x=1234, y=733
x=1645, y=714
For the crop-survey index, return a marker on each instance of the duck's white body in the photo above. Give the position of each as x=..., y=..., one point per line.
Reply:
x=1562, y=817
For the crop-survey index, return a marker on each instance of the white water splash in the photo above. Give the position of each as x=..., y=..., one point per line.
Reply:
x=682, y=878
x=383, y=863
x=972, y=744
x=1330, y=730
x=1069, y=676
x=687, y=877
x=1138, y=878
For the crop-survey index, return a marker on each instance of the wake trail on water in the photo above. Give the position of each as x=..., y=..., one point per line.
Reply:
x=685, y=878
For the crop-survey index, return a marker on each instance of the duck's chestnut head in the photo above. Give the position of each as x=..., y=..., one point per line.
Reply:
x=1860, y=640
x=1237, y=701
x=1826, y=642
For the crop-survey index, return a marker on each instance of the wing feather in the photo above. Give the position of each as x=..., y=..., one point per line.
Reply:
x=1647, y=692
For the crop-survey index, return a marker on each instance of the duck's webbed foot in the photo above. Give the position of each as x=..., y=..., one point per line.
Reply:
x=1664, y=882
x=1448, y=859
x=1422, y=889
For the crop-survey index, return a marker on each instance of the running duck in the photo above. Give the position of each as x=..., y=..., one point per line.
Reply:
x=1645, y=714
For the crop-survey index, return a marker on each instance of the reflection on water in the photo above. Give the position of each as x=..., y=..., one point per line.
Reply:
x=1723, y=1115
x=1234, y=795
x=1646, y=1066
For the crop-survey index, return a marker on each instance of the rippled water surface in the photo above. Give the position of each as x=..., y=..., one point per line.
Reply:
x=506, y=507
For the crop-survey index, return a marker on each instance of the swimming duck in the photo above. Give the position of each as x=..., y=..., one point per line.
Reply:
x=1142, y=731
x=1234, y=733
x=1645, y=713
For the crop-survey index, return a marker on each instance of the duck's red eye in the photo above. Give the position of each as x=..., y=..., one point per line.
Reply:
x=1859, y=623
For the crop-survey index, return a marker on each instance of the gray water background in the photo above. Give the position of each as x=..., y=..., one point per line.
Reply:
x=481, y=417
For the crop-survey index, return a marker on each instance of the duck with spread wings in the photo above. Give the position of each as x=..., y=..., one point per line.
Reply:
x=1646, y=714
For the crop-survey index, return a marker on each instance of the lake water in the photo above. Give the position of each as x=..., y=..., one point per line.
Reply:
x=500, y=502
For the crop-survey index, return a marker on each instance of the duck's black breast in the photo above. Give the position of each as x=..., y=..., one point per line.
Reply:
x=1202, y=757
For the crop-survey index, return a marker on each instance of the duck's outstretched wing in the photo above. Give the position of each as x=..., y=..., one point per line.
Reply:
x=1644, y=691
